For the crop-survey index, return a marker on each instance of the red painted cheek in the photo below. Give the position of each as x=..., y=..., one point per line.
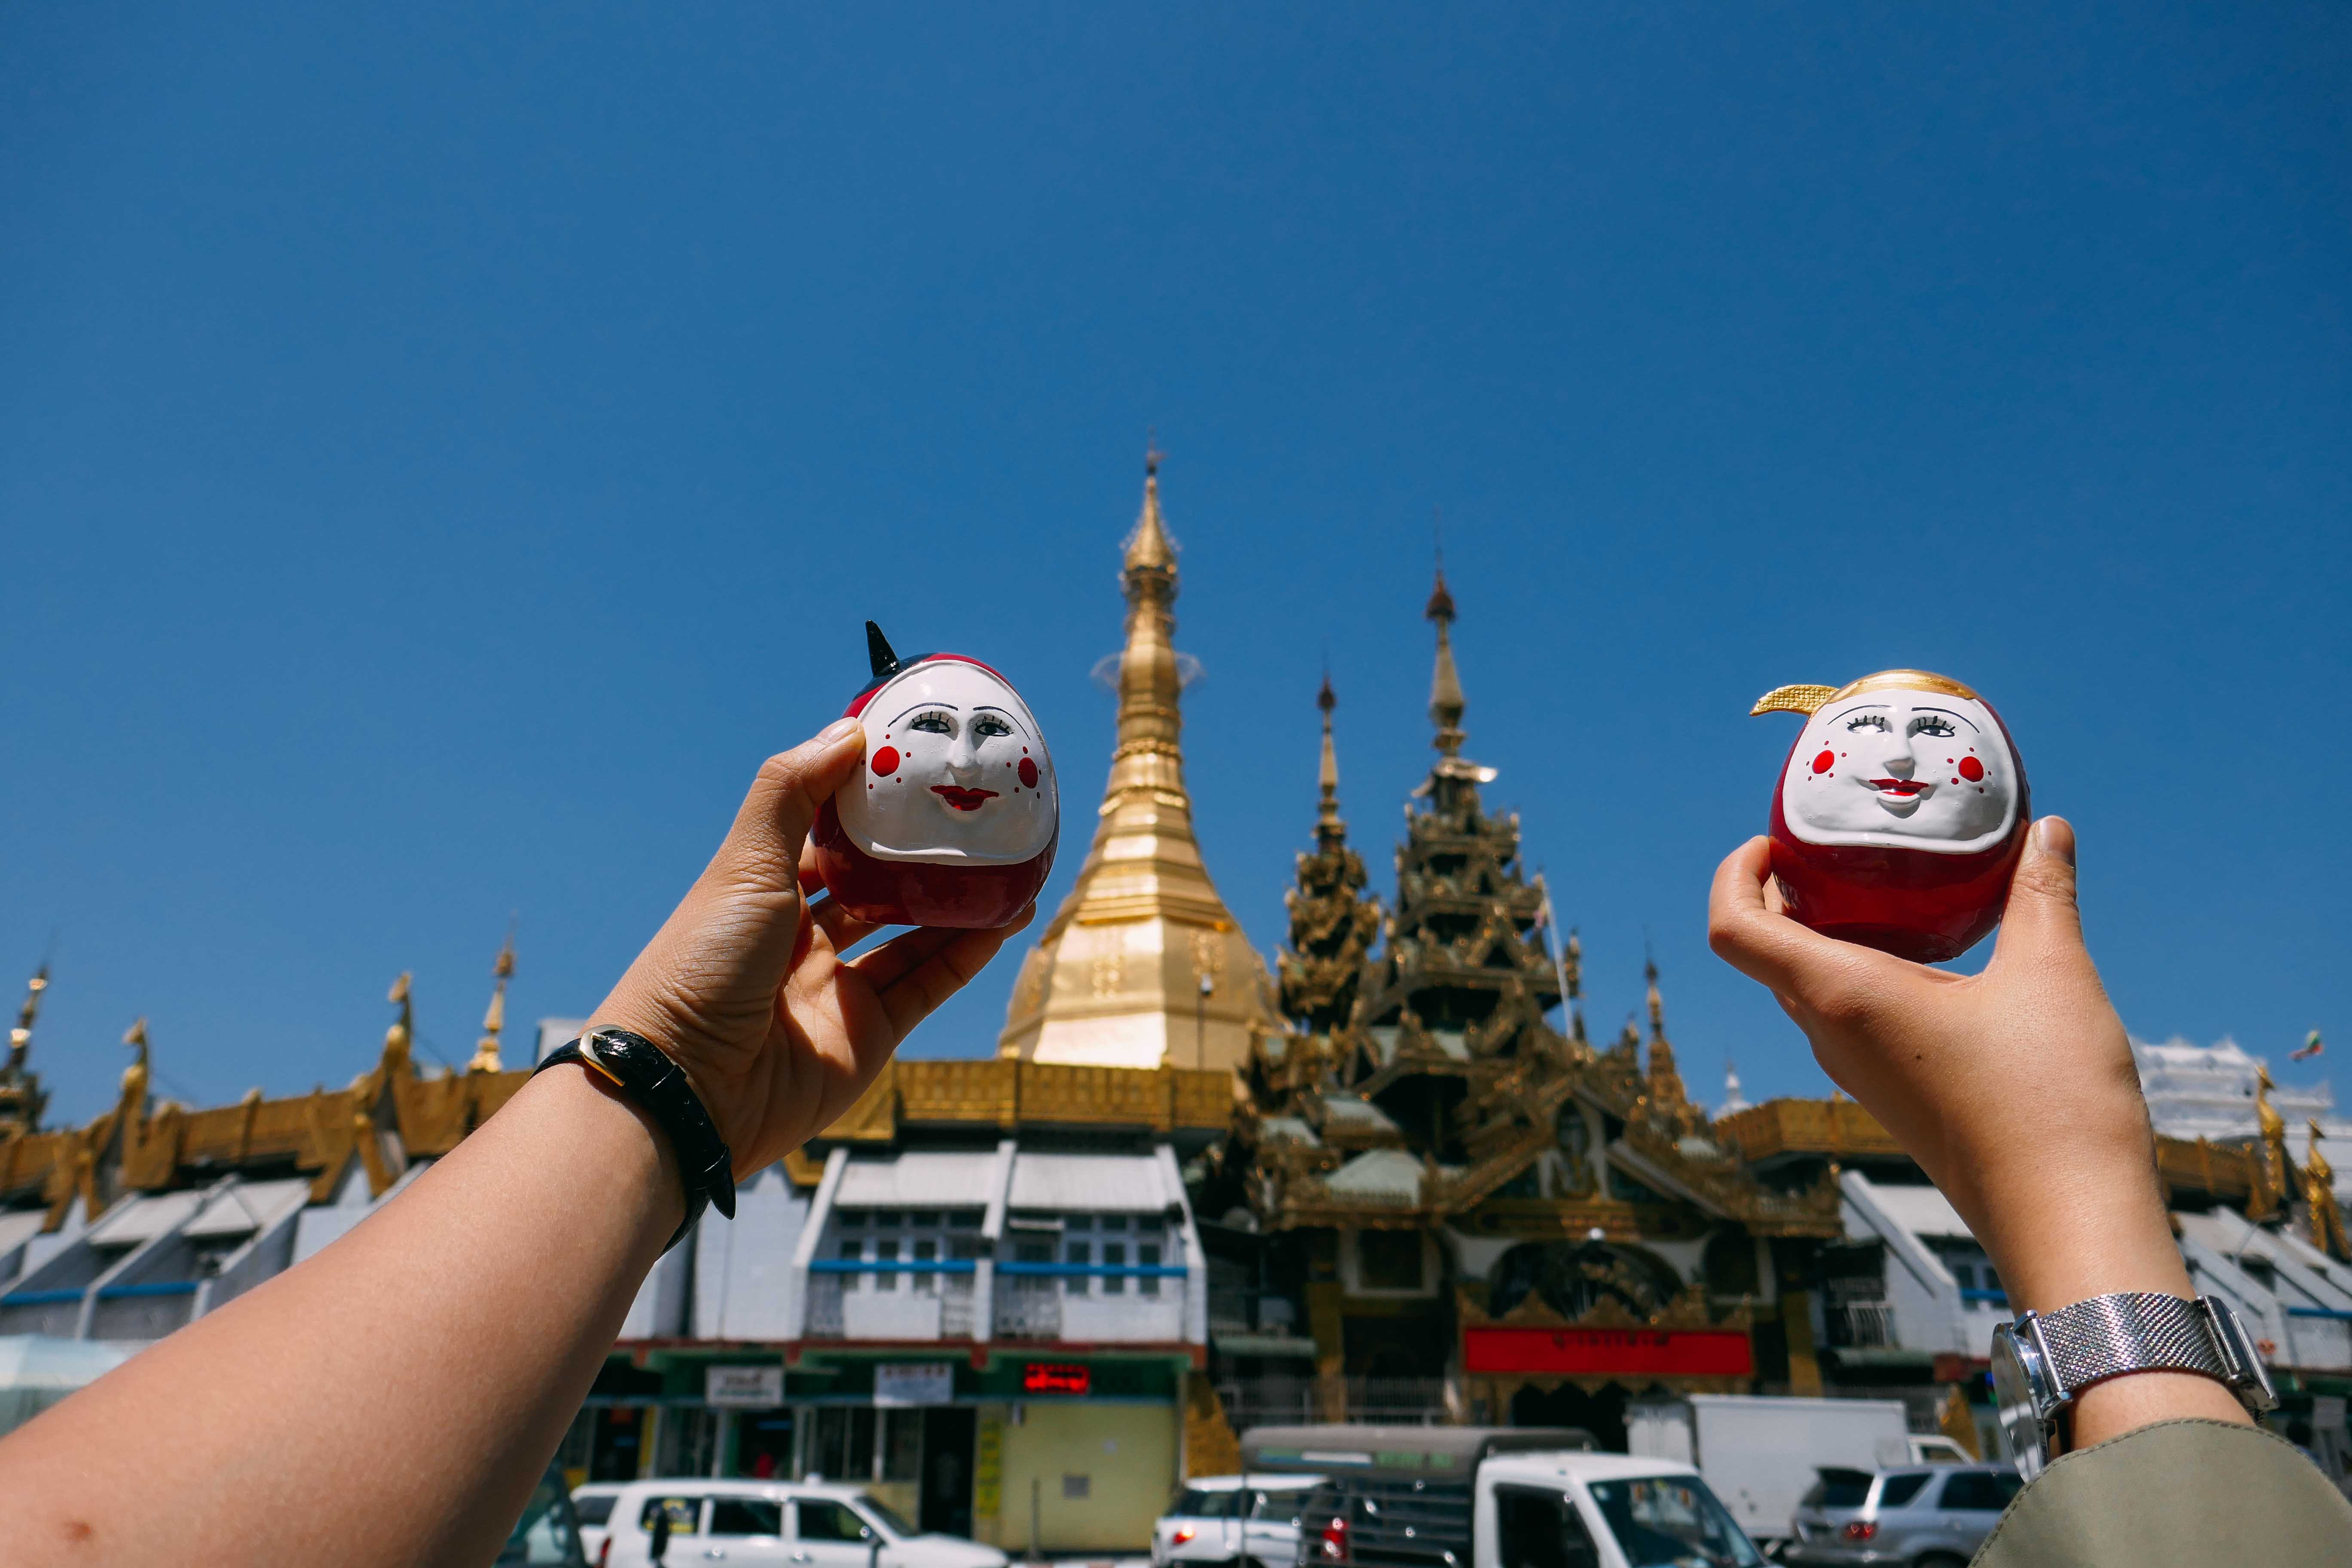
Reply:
x=884, y=762
x=1028, y=773
x=1971, y=769
x=1825, y=762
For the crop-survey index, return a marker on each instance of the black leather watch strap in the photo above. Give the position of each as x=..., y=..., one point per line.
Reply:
x=641, y=1071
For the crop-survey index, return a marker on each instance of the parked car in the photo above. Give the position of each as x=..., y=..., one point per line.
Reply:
x=773, y=1524
x=1484, y=1497
x=1929, y=1518
x=1761, y=1452
x=593, y=1505
x=547, y=1533
x=1249, y=1521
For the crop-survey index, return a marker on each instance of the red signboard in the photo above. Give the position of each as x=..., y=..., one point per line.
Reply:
x=1591, y=1352
x=1055, y=1377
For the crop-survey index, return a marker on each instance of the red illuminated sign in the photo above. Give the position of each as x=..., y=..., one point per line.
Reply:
x=1684, y=1352
x=1055, y=1377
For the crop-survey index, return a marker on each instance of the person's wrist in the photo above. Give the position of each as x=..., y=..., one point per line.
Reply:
x=634, y=1151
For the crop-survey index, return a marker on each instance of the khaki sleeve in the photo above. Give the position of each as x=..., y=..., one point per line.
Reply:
x=2176, y=1492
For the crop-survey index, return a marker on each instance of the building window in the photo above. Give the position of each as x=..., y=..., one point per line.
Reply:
x=1388, y=1259
x=853, y=1219
x=1114, y=1222
x=1080, y=1253
x=924, y=1220
x=851, y=1251
x=966, y=1219
x=841, y=1443
x=1114, y=1255
x=886, y=1278
x=1147, y=1254
x=926, y=1252
x=889, y=1219
x=1965, y=1275
x=902, y=1445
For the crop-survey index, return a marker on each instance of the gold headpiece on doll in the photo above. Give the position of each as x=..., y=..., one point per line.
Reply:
x=1812, y=699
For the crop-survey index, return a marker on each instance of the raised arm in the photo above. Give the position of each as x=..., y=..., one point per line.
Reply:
x=393, y=1400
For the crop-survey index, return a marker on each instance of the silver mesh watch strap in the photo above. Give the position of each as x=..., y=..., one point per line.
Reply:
x=2134, y=1331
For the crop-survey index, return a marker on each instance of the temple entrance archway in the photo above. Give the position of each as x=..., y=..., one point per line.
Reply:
x=1572, y=1278
x=1601, y=1412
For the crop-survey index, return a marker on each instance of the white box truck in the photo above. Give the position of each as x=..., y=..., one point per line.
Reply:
x=1759, y=1454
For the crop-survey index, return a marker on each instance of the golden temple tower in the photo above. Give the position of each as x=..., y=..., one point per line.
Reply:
x=1143, y=966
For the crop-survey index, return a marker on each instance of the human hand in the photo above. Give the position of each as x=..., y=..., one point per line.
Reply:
x=2015, y=1090
x=777, y=1032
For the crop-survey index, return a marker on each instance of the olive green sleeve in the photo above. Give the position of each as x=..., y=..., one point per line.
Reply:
x=2176, y=1492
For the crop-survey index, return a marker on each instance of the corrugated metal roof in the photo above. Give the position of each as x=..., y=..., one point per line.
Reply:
x=940, y=1179
x=1087, y=1183
x=249, y=1206
x=1922, y=1211
x=143, y=1218
x=1274, y=1127
x=18, y=1227
x=1381, y=1173
x=1350, y=1110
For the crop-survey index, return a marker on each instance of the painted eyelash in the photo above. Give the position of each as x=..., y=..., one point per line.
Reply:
x=1928, y=724
x=943, y=720
x=1876, y=720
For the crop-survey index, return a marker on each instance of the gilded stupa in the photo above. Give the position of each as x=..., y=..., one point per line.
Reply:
x=1143, y=966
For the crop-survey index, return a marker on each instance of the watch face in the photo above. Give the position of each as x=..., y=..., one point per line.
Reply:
x=2014, y=1402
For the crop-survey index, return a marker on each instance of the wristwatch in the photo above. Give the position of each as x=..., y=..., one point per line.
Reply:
x=2044, y=1361
x=641, y=1071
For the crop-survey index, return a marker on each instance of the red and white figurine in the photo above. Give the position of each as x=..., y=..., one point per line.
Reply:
x=953, y=816
x=1900, y=815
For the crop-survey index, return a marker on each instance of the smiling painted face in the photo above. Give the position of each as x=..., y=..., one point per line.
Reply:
x=1902, y=768
x=956, y=772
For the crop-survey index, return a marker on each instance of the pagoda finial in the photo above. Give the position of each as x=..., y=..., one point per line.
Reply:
x=20, y=1038
x=1445, y=699
x=2327, y=1231
x=1328, y=828
x=399, y=1039
x=1149, y=548
x=134, y=1077
x=1658, y=1002
x=494, y=1022
x=1734, y=1099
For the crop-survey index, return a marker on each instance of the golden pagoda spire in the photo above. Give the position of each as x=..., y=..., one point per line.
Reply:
x=1446, y=700
x=20, y=1038
x=134, y=1077
x=21, y=1096
x=2319, y=1192
x=1328, y=829
x=494, y=1022
x=1143, y=965
x=401, y=1038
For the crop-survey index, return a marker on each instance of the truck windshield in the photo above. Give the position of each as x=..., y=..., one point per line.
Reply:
x=1673, y=1521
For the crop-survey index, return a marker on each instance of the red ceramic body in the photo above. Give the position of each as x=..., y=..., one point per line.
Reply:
x=918, y=892
x=1913, y=903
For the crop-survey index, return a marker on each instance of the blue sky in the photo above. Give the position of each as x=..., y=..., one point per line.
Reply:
x=444, y=448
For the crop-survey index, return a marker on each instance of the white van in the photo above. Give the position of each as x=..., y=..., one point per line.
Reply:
x=772, y=1524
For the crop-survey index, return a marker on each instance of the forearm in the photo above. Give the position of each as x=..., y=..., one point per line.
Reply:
x=333, y=1413
x=2063, y=1230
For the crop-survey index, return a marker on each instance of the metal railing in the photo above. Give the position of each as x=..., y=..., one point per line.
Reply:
x=1376, y=1401
x=1861, y=1325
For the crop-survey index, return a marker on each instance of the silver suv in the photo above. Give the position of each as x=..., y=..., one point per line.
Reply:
x=1932, y=1518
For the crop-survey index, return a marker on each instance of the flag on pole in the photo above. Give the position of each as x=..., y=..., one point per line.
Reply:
x=2312, y=1046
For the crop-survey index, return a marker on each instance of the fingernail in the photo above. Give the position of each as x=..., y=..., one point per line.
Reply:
x=2050, y=840
x=839, y=730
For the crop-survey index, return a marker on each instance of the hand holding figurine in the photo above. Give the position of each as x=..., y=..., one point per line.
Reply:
x=777, y=1032
x=2015, y=1090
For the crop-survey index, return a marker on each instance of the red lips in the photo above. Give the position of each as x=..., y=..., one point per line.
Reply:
x=1898, y=786
x=964, y=799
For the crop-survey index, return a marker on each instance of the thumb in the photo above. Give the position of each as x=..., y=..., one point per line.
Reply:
x=763, y=847
x=2044, y=919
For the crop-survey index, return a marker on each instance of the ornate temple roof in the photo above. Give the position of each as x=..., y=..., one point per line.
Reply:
x=1143, y=966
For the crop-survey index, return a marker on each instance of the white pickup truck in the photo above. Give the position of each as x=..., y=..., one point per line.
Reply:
x=1761, y=1454
x=1485, y=1497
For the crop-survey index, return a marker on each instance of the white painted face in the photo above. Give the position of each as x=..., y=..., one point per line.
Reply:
x=956, y=772
x=1904, y=770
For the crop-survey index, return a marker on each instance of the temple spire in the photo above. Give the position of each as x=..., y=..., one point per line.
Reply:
x=1446, y=700
x=494, y=1022
x=1143, y=965
x=22, y=1097
x=1330, y=829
